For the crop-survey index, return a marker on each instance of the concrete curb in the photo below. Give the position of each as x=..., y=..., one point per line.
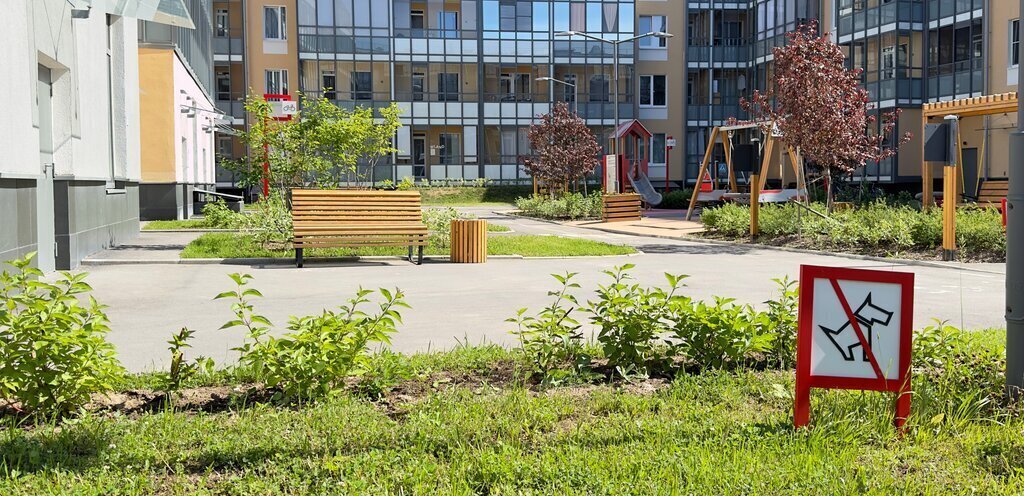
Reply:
x=291, y=261
x=188, y=230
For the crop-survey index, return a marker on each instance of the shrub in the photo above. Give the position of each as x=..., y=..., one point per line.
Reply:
x=718, y=334
x=182, y=370
x=629, y=318
x=438, y=221
x=676, y=199
x=218, y=216
x=570, y=206
x=552, y=339
x=270, y=220
x=320, y=351
x=53, y=347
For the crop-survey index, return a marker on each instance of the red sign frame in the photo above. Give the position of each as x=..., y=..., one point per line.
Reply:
x=266, y=151
x=805, y=327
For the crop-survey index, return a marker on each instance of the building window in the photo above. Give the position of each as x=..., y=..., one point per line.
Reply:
x=274, y=23
x=224, y=147
x=652, y=91
x=223, y=85
x=447, y=87
x=362, y=86
x=111, y=20
x=1014, y=42
x=419, y=83
x=448, y=22
x=448, y=150
x=328, y=83
x=515, y=87
x=277, y=81
x=221, y=22
x=598, y=88
x=569, y=92
x=658, y=148
x=417, y=23
x=653, y=24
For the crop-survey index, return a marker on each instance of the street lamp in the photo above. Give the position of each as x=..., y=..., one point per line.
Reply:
x=575, y=92
x=615, y=53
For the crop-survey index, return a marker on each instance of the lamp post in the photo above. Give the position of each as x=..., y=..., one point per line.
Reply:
x=575, y=92
x=615, y=63
x=1015, y=254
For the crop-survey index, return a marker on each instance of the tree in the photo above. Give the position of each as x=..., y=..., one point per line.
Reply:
x=820, y=108
x=564, y=148
x=321, y=146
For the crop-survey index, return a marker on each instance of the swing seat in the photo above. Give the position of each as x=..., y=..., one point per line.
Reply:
x=711, y=196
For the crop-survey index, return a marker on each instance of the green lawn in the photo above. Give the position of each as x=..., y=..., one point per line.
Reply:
x=497, y=228
x=231, y=245
x=176, y=224
x=473, y=195
x=460, y=427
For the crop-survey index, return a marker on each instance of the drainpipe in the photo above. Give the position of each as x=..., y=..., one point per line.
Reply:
x=1015, y=253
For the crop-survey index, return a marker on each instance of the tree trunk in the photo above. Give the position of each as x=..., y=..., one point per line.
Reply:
x=829, y=195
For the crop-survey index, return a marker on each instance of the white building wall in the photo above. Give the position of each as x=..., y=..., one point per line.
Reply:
x=196, y=166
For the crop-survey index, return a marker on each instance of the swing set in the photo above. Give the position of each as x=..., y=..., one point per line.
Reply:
x=707, y=189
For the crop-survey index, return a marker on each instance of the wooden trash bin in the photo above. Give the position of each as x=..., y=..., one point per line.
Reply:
x=469, y=241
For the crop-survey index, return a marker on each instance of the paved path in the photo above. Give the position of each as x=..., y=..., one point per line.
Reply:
x=453, y=303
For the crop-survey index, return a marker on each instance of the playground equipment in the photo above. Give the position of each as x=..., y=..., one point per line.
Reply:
x=953, y=177
x=630, y=166
x=725, y=133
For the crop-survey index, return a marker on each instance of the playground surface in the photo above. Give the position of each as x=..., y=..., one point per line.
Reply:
x=469, y=303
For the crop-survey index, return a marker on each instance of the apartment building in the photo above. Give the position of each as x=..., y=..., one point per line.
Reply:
x=179, y=119
x=469, y=75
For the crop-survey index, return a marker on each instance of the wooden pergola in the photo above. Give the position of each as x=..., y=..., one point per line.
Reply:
x=1003, y=103
x=721, y=132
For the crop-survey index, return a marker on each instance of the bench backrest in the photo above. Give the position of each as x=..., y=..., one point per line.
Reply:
x=311, y=207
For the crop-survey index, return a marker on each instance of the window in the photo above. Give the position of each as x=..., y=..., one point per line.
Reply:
x=224, y=147
x=362, y=85
x=223, y=85
x=447, y=87
x=1014, y=42
x=569, y=92
x=449, y=24
x=598, y=88
x=418, y=83
x=515, y=15
x=221, y=22
x=277, y=81
x=652, y=91
x=658, y=148
x=652, y=24
x=274, y=23
x=416, y=22
x=515, y=87
x=111, y=20
x=449, y=148
x=329, y=84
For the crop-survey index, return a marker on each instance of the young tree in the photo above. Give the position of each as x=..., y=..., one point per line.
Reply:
x=821, y=109
x=564, y=148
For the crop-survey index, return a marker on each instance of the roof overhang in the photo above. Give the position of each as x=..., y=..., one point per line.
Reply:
x=171, y=12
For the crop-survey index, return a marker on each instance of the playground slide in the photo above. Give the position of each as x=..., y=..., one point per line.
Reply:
x=643, y=186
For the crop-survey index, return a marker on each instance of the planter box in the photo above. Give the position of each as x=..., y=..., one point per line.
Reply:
x=621, y=208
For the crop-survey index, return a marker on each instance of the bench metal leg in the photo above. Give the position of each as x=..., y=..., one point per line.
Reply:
x=298, y=257
x=410, y=253
x=419, y=257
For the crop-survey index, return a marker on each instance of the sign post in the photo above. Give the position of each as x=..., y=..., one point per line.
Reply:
x=282, y=108
x=854, y=332
x=670, y=143
x=611, y=174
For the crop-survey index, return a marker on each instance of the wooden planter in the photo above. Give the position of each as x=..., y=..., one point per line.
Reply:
x=469, y=241
x=620, y=208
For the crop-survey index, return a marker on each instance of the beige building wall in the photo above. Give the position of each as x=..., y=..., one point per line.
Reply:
x=670, y=62
x=262, y=54
x=157, y=113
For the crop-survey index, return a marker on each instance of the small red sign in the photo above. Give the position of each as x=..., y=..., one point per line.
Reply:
x=854, y=332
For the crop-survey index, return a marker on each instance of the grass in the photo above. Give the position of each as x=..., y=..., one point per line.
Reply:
x=714, y=433
x=231, y=245
x=473, y=195
x=498, y=228
x=176, y=224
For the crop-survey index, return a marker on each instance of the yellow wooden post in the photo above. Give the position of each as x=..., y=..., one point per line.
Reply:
x=755, y=205
x=949, y=202
x=700, y=173
x=766, y=161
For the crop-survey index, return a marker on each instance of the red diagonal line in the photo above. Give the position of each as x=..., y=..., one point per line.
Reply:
x=856, y=328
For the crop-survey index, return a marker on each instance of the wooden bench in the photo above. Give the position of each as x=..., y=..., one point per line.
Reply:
x=992, y=192
x=356, y=218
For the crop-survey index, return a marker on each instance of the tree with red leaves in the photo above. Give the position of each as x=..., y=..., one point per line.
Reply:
x=820, y=108
x=564, y=148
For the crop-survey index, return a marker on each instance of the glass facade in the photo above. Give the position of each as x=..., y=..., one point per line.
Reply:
x=465, y=73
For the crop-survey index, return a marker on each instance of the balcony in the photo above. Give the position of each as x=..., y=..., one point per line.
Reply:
x=229, y=45
x=884, y=15
x=734, y=53
x=720, y=112
x=233, y=107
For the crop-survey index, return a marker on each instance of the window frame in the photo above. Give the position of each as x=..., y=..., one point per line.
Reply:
x=282, y=81
x=651, y=148
x=217, y=27
x=652, y=42
x=1014, y=32
x=282, y=22
x=650, y=94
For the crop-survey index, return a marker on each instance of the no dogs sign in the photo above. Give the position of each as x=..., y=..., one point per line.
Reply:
x=854, y=332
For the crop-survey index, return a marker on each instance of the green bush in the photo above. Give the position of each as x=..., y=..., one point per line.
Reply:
x=571, y=206
x=719, y=333
x=438, y=221
x=320, y=351
x=676, y=199
x=879, y=226
x=217, y=215
x=53, y=347
x=552, y=340
x=269, y=220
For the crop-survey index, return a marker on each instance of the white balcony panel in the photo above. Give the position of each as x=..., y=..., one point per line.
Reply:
x=470, y=111
x=403, y=142
x=469, y=143
x=420, y=109
x=402, y=171
x=508, y=171
x=403, y=45
x=541, y=49
x=469, y=47
x=437, y=109
x=454, y=172
x=654, y=113
x=438, y=172
x=492, y=47
x=453, y=110
x=436, y=46
x=492, y=171
x=471, y=172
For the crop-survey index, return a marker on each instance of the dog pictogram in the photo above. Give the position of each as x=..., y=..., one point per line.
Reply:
x=845, y=339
